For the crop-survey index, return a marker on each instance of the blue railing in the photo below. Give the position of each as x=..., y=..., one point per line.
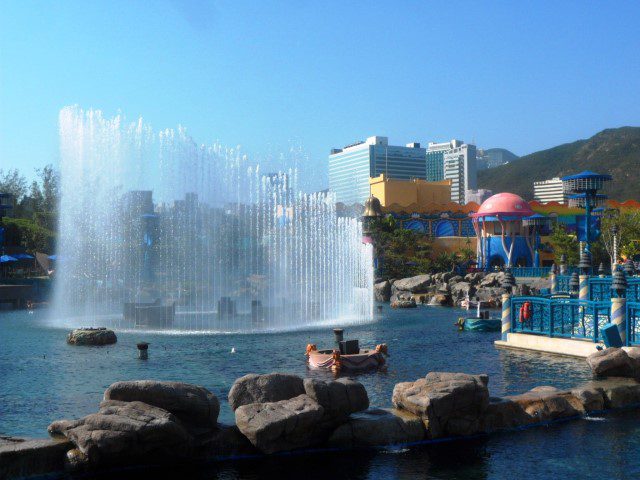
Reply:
x=531, y=271
x=563, y=283
x=561, y=317
x=633, y=323
x=599, y=288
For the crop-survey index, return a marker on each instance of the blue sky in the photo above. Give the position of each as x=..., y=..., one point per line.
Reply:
x=261, y=74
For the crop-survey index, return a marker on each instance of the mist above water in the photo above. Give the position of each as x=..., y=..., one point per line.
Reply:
x=151, y=216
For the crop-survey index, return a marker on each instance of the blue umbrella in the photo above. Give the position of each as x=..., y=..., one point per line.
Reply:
x=23, y=256
x=7, y=258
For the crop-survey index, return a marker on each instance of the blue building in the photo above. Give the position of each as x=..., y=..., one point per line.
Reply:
x=351, y=167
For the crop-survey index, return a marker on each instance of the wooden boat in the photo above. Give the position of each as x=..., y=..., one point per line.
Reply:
x=332, y=359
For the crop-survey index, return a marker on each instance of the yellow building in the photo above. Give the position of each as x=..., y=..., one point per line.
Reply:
x=404, y=193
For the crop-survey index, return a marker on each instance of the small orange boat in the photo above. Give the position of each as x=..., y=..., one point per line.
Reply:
x=332, y=359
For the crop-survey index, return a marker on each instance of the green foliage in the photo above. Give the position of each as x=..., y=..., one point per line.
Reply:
x=564, y=243
x=34, y=218
x=407, y=253
x=28, y=234
x=614, y=151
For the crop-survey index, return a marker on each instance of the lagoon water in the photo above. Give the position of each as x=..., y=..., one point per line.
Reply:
x=43, y=379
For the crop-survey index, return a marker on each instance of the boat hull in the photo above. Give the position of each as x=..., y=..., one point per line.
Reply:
x=365, y=360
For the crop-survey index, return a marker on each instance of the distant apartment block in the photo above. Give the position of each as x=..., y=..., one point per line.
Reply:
x=351, y=167
x=549, y=191
x=455, y=161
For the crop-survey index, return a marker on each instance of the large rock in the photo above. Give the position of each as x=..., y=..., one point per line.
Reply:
x=611, y=362
x=190, y=403
x=545, y=404
x=123, y=433
x=415, y=284
x=283, y=425
x=378, y=427
x=382, y=291
x=439, y=299
x=461, y=290
x=92, y=336
x=404, y=303
x=339, y=398
x=490, y=296
x=271, y=387
x=448, y=403
x=618, y=392
x=492, y=279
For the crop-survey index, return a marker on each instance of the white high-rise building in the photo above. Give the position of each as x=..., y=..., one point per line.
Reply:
x=551, y=190
x=458, y=165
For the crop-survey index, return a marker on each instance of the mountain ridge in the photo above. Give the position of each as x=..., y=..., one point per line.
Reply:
x=615, y=151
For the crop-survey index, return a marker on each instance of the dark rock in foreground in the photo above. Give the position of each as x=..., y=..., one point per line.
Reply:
x=448, y=403
x=615, y=362
x=271, y=387
x=92, y=336
x=299, y=421
x=190, y=403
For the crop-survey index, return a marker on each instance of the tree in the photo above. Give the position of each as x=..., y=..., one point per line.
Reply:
x=628, y=225
x=564, y=243
x=13, y=183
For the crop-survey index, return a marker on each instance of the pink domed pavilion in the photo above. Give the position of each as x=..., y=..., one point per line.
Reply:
x=505, y=227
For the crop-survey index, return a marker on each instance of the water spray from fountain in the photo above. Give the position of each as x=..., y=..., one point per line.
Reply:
x=181, y=236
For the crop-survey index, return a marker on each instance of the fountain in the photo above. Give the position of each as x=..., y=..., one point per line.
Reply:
x=182, y=236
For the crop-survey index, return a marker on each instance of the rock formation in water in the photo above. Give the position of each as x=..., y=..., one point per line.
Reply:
x=92, y=336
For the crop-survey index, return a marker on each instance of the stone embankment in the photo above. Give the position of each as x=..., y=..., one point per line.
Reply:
x=448, y=289
x=143, y=422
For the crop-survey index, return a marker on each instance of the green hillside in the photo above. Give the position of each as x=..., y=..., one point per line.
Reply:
x=615, y=151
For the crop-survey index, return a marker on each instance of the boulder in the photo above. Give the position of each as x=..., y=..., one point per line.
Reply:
x=439, y=299
x=618, y=392
x=544, y=404
x=92, y=337
x=190, y=403
x=447, y=403
x=339, y=398
x=492, y=279
x=455, y=279
x=404, y=304
x=611, y=362
x=461, y=290
x=378, y=427
x=123, y=433
x=592, y=399
x=281, y=426
x=272, y=387
x=490, y=296
x=502, y=413
x=382, y=291
x=415, y=284
x=473, y=278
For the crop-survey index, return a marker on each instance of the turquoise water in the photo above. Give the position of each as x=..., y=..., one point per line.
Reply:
x=43, y=379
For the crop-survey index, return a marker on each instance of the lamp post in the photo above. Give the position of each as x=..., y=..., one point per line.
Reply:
x=583, y=193
x=508, y=282
x=619, y=302
x=585, y=268
x=563, y=264
x=614, y=258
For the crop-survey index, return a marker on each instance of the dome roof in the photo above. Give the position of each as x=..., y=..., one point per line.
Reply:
x=504, y=204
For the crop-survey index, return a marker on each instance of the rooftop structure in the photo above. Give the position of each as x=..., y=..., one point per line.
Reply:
x=416, y=193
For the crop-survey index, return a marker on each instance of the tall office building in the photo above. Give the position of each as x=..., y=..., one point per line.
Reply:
x=455, y=161
x=547, y=191
x=351, y=167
